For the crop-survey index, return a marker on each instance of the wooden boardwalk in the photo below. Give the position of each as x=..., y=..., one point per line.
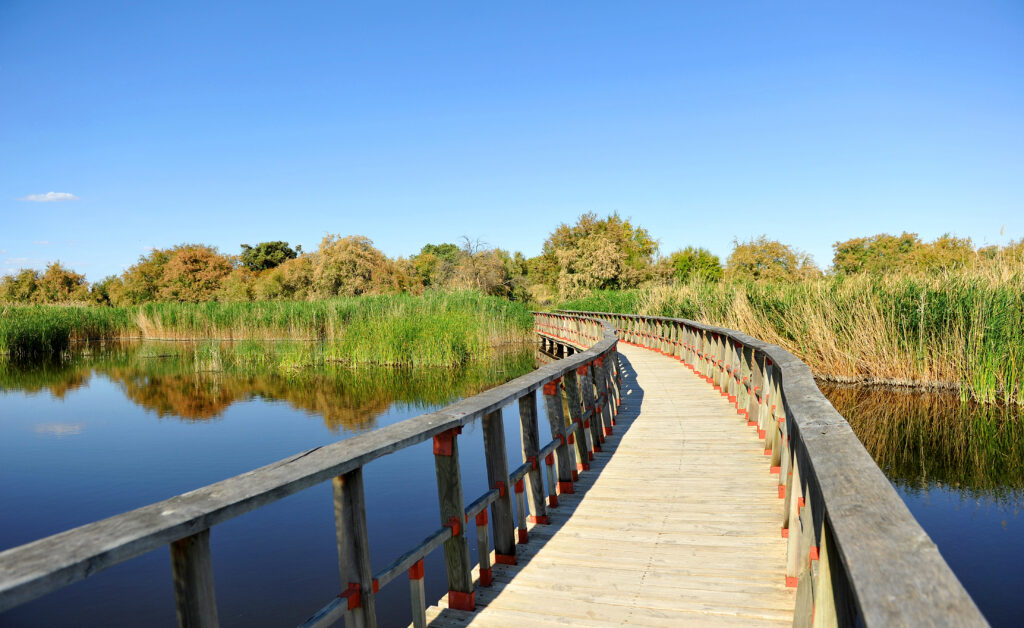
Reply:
x=675, y=524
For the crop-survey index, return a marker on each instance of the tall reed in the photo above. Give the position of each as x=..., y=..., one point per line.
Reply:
x=966, y=330
x=438, y=329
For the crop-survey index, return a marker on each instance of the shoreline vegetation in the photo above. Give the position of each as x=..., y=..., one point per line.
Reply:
x=890, y=309
x=435, y=329
x=958, y=331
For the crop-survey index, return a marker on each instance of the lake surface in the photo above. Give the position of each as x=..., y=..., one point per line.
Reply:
x=959, y=467
x=117, y=427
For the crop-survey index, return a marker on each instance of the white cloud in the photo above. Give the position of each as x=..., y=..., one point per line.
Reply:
x=41, y=242
x=49, y=197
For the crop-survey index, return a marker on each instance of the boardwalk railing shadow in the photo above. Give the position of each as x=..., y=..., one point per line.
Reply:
x=540, y=534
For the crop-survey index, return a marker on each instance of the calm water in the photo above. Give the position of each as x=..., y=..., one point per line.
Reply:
x=117, y=428
x=960, y=469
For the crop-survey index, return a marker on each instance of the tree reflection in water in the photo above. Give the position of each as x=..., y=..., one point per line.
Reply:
x=199, y=381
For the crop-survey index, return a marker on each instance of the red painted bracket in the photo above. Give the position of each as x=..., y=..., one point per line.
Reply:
x=481, y=517
x=792, y=582
x=416, y=571
x=453, y=523
x=543, y=519
x=549, y=459
x=486, y=577
x=775, y=470
x=519, y=486
x=376, y=586
x=800, y=503
x=460, y=601
x=607, y=431
x=505, y=559
x=565, y=487
x=443, y=441
x=533, y=462
x=551, y=388
x=524, y=536
x=582, y=370
x=782, y=491
x=352, y=595
x=575, y=474
x=502, y=489
x=785, y=533
x=553, y=501
x=813, y=554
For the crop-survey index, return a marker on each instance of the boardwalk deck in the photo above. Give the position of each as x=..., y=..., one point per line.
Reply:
x=676, y=523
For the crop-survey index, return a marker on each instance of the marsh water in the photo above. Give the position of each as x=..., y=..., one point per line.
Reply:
x=114, y=427
x=959, y=467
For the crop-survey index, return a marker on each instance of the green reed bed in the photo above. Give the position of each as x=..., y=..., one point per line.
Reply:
x=436, y=329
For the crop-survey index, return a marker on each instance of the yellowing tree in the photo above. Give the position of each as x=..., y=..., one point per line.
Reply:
x=762, y=258
x=351, y=266
x=597, y=254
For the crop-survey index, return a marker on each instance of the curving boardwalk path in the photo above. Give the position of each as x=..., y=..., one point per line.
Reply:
x=676, y=523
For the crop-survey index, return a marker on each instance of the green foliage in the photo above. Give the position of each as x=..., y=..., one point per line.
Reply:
x=597, y=254
x=884, y=253
x=266, y=255
x=695, y=264
x=761, y=258
x=350, y=266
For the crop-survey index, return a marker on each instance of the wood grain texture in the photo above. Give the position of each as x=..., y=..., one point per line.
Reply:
x=676, y=523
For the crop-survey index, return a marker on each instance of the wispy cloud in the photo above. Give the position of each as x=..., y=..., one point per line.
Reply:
x=41, y=242
x=49, y=197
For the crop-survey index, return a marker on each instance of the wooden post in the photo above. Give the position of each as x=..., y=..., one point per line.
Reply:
x=556, y=419
x=453, y=515
x=604, y=395
x=591, y=418
x=574, y=401
x=193, y=581
x=418, y=595
x=531, y=445
x=497, y=477
x=354, y=546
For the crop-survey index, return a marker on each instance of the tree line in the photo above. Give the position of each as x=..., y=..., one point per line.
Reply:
x=593, y=253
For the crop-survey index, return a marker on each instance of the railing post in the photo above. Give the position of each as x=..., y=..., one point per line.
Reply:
x=453, y=515
x=591, y=419
x=531, y=446
x=601, y=369
x=556, y=419
x=193, y=581
x=354, y=547
x=574, y=401
x=497, y=477
x=418, y=595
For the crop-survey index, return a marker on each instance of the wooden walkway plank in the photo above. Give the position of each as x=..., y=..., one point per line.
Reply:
x=677, y=522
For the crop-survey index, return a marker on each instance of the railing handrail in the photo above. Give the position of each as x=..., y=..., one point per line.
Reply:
x=889, y=566
x=39, y=567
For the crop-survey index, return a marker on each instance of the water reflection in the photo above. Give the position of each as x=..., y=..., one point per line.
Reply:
x=920, y=439
x=200, y=381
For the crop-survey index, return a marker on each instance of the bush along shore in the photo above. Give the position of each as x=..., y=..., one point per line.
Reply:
x=435, y=329
x=962, y=331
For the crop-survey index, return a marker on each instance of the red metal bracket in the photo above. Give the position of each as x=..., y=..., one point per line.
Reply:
x=551, y=388
x=775, y=470
x=462, y=601
x=454, y=524
x=565, y=487
x=352, y=595
x=582, y=370
x=553, y=501
x=505, y=559
x=376, y=586
x=443, y=441
x=549, y=459
x=519, y=485
x=416, y=571
x=533, y=462
x=813, y=554
x=486, y=578
x=524, y=536
x=543, y=519
x=502, y=489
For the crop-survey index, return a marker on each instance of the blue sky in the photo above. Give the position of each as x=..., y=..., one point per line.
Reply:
x=423, y=122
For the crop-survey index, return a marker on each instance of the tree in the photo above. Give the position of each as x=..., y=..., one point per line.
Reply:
x=762, y=258
x=60, y=285
x=598, y=254
x=193, y=273
x=350, y=266
x=142, y=282
x=877, y=253
x=99, y=292
x=695, y=263
x=20, y=287
x=266, y=255
x=435, y=264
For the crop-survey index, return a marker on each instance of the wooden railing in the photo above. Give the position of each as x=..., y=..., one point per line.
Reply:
x=588, y=379
x=854, y=553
